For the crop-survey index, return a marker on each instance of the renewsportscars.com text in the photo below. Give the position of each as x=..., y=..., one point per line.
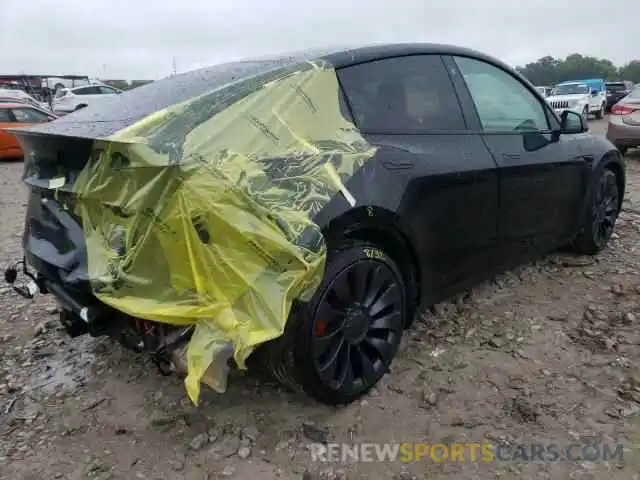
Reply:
x=464, y=452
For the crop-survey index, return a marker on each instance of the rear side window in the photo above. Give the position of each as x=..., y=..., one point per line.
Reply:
x=29, y=115
x=616, y=87
x=4, y=115
x=87, y=91
x=107, y=90
x=411, y=94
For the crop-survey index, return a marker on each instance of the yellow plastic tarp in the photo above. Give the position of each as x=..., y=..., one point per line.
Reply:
x=197, y=214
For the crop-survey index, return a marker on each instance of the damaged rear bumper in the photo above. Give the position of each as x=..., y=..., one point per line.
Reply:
x=81, y=315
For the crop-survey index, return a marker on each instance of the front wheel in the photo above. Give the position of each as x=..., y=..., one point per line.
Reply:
x=340, y=344
x=601, y=215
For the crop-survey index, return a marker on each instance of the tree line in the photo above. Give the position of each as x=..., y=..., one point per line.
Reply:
x=549, y=70
x=126, y=84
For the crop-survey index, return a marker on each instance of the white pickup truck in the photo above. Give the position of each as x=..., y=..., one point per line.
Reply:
x=583, y=97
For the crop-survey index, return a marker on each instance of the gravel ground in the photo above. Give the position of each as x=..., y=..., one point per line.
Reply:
x=544, y=353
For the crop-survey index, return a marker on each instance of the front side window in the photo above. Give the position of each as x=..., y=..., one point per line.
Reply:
x=503, y=103
x=411, y=94
x=4, y=116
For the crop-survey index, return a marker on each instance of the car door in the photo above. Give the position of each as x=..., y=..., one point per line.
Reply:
x=429, y=167
x=8, y=142
x=543, y=176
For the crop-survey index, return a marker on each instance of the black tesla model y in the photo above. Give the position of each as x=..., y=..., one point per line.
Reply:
x=294, y=212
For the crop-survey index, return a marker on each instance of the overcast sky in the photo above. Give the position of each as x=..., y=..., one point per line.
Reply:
x=139, y=38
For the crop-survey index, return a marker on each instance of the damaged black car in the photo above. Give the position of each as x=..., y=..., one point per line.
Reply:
x=294, y=212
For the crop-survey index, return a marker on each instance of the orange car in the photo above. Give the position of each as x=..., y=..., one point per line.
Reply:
x=18, y=115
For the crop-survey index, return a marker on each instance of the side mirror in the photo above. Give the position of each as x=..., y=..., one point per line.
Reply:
x=572, y=122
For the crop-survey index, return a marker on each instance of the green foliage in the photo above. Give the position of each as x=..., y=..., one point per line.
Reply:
x=549, y=70
x=126, y=84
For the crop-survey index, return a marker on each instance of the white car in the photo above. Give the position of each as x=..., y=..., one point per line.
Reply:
x=57, y=83
x=71, y=99
x=578, y=97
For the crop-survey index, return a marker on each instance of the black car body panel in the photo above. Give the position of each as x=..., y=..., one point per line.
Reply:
x=460, y=201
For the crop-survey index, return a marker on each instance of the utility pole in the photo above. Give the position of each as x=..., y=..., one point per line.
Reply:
x=174, y=67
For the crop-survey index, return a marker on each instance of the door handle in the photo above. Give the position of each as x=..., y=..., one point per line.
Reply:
x=397, y=164
x=396, y=158
x=511, y=156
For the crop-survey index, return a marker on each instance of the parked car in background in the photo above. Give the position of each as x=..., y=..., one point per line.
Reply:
x=69, y=100
x=16, y=100
x=544, y=91
x=617, y=91
x=586, y=97
x=623, y=129
x=68, y=81
x=415, y=170
x=14, y=115
x=22, y=96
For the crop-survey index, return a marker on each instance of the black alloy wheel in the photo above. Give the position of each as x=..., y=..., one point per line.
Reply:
x=601, y=216
x=337, y=346
x=605, y=209
x=357, y=326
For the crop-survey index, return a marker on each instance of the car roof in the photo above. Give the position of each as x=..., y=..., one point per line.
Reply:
x=133, y=105
x=17, y=105
x=14, y=99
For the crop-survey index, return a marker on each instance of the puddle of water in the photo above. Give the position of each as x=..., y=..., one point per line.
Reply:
x=68, y=372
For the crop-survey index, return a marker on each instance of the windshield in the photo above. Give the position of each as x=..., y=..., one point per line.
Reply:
x=616, y=87
x=570, y=89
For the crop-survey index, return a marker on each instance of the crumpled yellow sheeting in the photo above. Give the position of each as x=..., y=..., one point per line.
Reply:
x=209, y=207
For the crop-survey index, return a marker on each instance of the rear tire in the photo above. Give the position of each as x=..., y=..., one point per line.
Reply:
x=600, y=113
x=601, y=215
x=339, y=345
x=623, y=150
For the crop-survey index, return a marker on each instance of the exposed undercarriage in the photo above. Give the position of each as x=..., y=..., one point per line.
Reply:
x=165, y=344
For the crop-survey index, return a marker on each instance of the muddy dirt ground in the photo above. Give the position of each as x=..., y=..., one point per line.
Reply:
x=545, y=353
